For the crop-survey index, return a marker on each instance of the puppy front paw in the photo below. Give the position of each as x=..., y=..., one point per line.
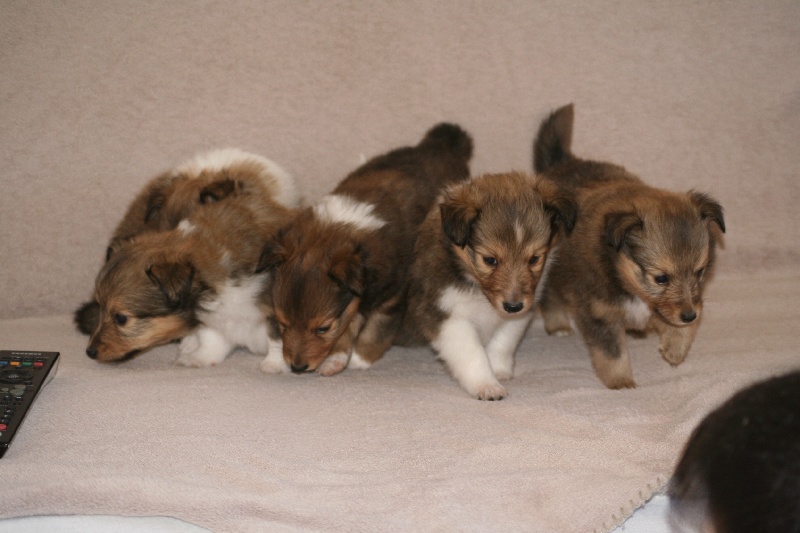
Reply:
x=202, y=349
x=561, y=332
x=274, y=363
x=675, y=343
x=614, y=372
x=490, y=391
x=334, y=364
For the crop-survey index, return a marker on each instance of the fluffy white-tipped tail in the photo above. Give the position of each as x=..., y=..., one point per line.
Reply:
x=277, y=179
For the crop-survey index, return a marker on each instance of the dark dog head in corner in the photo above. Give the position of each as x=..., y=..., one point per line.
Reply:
x=501, y=228
x=666, y=251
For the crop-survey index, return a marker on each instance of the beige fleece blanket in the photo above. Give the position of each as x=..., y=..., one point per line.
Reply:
x=399, y=447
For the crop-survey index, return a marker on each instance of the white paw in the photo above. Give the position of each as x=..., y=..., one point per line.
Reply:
x=358, y=363
x=274, y=363
x=504, y=374
x=203, y=348
x=489, y=391
x=334, y=364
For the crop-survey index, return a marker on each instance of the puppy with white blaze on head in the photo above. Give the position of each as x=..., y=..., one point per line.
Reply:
x=340, y=267
x=481, y=258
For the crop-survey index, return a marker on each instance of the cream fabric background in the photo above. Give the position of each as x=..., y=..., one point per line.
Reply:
x=98, y=97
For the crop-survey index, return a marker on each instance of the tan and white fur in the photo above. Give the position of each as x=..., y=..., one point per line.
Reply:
x=175, y=194
x=638, y=259
x=480, y=259
x=197, y=281
x=341, y=267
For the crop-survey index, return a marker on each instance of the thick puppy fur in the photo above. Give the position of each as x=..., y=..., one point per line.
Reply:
x=639, y=257
x=196, y=282
x=740, y=469
x=174, y=195
x=341, y=267
x=480, y=260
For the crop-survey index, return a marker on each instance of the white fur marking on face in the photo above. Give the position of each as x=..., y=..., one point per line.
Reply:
x=636, y=313
x=519, y=231
x=336, y=208
x=186, y=227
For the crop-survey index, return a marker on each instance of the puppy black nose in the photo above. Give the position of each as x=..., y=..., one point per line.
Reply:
x=688, y=316
x=91, y=351
x=513, y=307
x=297, y=369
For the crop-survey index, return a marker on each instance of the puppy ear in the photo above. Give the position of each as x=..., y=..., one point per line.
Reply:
x=619, y=226
x=458, y=216
x=174, y=280
x=273, y=254
x=348, y=270
x=708, y=208
x=219, y=190
x=563, y=212
x=155, y=202
x=115, y=245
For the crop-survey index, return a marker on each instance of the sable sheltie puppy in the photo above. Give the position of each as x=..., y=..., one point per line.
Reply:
x=340, y=268
x=638, y=258
x=480, y=259
x=174, y=195
x=740, y=470
x=195, y=282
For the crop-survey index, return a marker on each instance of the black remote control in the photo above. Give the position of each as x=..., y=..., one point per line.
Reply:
x=22, y=376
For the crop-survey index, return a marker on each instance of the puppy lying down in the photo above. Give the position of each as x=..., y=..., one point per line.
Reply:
x=196, y=282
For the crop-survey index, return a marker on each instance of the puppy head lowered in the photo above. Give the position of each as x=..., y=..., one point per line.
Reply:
x=501, y=228
x=666, y=250
x=316, y=291
x=144, y=300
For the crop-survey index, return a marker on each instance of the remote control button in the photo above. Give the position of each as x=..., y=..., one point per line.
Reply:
x=14, y=376
x=3, y=427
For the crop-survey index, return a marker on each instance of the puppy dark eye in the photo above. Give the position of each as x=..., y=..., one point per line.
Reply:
x=322, y=330
x=120, y=319
x=662, y=279
x=701, y=272
x=533, y=260
x=489, y=260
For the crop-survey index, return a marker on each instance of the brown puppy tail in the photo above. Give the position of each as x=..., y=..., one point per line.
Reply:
x=554, y=140
x=449, y=138
x=447, y=150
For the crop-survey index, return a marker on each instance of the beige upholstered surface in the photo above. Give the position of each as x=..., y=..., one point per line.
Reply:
x=98, y=97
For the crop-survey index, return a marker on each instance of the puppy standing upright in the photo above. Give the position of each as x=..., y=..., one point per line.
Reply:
x=638, y=258
x=340, y=268
x=481, y=257
x=196, y=282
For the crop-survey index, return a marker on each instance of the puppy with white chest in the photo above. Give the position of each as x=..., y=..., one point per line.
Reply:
x=196, y=283
x=340, y=268
x=639, y=257
x=480, y=259
x=175, y=194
